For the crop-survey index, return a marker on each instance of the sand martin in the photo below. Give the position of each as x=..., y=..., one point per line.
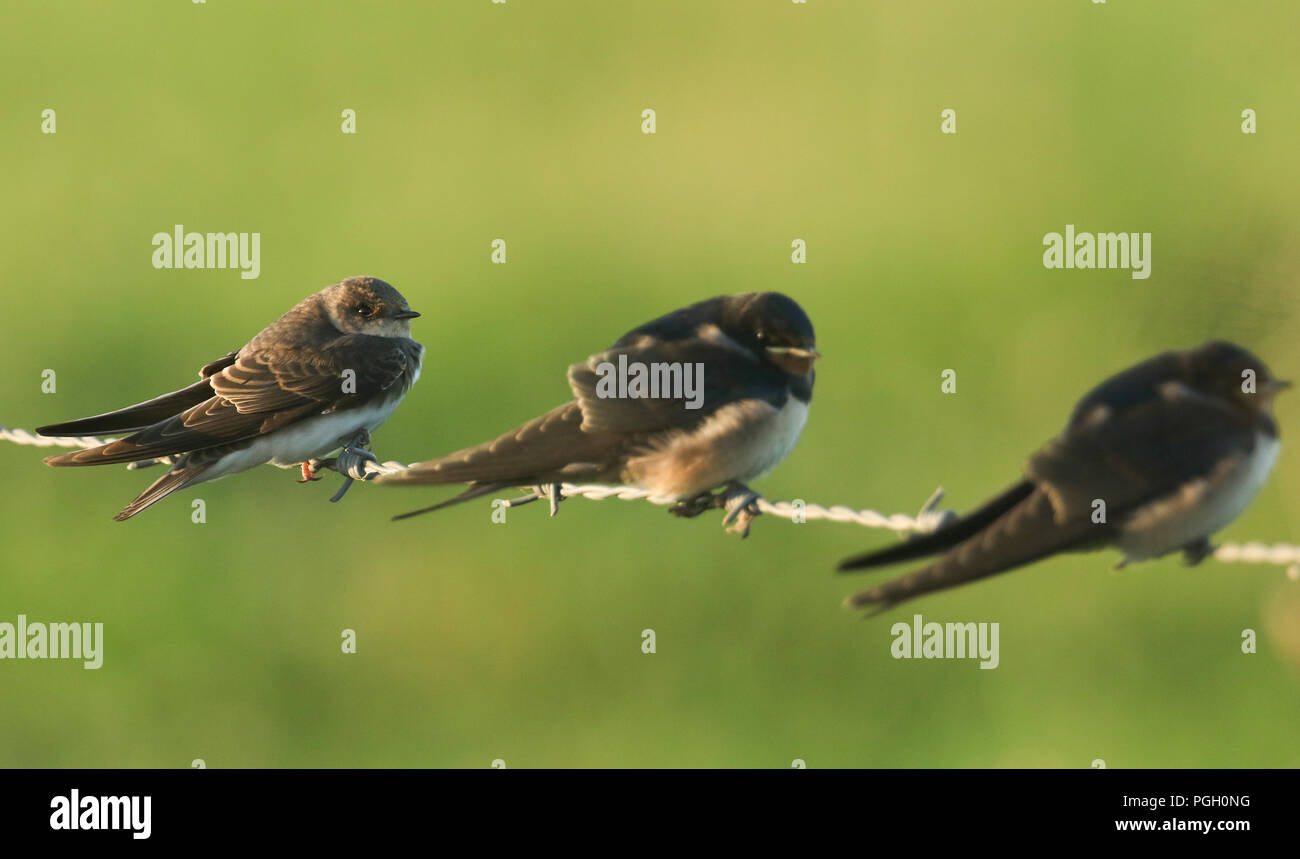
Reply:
x=1156, y=459
x=333, y=367
x=755, y=353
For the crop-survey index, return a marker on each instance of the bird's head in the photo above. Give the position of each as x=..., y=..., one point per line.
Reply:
x=368, y=305
x=775, y=327
x=1226, y=370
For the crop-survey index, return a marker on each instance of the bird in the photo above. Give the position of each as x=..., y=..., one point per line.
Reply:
x=326, y=373
x=755, y=352
x=1154, y=460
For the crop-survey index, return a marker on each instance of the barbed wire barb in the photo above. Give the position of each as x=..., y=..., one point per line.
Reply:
x=742, y=505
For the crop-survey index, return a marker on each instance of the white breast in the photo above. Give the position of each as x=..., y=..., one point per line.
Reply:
x=308, y=438
x=774, y=439
x=740, y=442
x=1201, y=508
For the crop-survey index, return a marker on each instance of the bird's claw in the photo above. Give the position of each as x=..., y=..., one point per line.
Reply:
x=689, y=508
x=741, y=504
x=738, y=500
x=309, y=471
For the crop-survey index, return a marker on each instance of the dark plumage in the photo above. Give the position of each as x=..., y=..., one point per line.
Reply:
x=1174, y=447
x=757, y=350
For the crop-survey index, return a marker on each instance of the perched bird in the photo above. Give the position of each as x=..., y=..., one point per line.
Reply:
x=755, y=353
x=332, y=368
x=1155, y=459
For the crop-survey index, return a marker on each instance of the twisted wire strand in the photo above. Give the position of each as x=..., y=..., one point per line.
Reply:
x=21, y=436
x=361, y=465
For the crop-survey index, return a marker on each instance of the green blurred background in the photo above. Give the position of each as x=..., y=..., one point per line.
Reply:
x=522, y=121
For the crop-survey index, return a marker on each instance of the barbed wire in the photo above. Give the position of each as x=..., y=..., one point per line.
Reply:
x=741, y=504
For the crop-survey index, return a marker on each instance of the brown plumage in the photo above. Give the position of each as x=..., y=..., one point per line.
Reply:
x=280, y=399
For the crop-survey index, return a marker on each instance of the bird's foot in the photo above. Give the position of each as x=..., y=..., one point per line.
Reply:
x=741, y=504
x=689, y=508
x=738, y=500
x=309, y=471
x=1194, y=553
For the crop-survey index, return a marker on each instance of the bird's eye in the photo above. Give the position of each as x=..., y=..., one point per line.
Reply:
x=365, y=310
x=761, y=335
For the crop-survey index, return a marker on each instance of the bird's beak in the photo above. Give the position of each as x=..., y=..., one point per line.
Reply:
x=1275, y=386
x=796, y=360
x=406, y=314
x=798, y=352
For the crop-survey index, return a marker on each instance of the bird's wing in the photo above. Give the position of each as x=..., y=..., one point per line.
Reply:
x=144, y=414
x=1140, y=454
x=924, y=545
x=1023, y=535
x=723, y=373
x=261, y=392
x=584, y=437
x=218, y=365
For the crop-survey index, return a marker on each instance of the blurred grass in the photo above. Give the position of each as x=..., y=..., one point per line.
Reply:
x=521, y=121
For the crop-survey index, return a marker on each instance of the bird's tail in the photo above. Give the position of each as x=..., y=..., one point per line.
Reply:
x=177, y=478
x=1027, y=532
x=530, y=454
x=111, y=453
x=924, y=545
x=477, y=490
x=135, y=417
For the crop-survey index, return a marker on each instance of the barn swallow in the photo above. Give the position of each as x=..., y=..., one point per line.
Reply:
x=755, y=353
x=332, y=368
x=1156, y=459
